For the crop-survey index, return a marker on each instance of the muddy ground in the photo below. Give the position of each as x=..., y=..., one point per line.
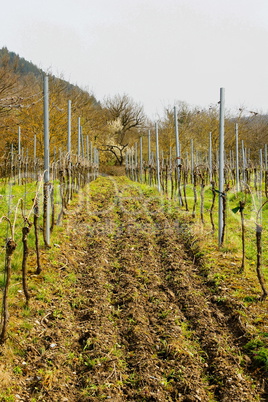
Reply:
x=140, y=321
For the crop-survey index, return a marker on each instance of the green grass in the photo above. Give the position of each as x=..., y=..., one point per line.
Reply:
x=16, y=202
x=258, y=351
x=232, y=241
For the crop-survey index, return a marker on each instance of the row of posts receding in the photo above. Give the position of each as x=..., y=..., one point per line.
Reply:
x=72, y=169
x=172, y=172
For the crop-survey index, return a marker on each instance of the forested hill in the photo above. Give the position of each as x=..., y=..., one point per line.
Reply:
x=24, y=67
x=116, y=123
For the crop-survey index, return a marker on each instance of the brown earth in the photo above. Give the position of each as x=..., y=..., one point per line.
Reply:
x=140, y=321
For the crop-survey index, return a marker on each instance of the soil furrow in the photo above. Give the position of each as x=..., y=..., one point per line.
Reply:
x=149, y=321
x=140, y=322
x=158, y=360
x=173, y=342
x=148, y=327
x=215, y=331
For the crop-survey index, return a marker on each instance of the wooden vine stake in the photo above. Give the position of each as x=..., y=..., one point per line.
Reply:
x=36, y=217
x=202, y=187
x=259, y=255
x=51, y=191
x=185, y=177
x=212, y=205
x=241, y=208
x=223, y=197
x=224, y=211
x=25, y=233
x=195, y=193
x=10, y=248
x=46, y=216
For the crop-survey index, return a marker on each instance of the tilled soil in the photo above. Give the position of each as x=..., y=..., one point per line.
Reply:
x=148, y=327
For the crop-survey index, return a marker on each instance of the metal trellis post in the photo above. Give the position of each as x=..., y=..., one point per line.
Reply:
x=221, y=166
x=157, y=158
x=46, y=156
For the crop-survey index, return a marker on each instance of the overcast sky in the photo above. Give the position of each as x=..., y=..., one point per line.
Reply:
x=156, y=51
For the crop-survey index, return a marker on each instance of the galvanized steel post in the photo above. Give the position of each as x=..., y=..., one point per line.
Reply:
x=260, y=185
x=192, y=160
x=221, y=166
x=236, y=157
x=69, y=126
x=19, y=141
x=35, y=148
x=149, y=147
x=78, y=136
x=87, y=147
x=210, y=156
x=157, y=158
x=141, y=160
x=178, y=153
x=46, y=131
x=46, y=156
x=149, y=158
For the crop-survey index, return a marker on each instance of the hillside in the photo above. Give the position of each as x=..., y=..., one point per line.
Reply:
x=125, y=311
x=23, y=67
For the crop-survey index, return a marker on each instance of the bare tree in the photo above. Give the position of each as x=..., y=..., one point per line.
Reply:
x=8, y=86
x=124, y=119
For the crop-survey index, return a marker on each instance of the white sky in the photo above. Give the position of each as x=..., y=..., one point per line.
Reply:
x=156, y=51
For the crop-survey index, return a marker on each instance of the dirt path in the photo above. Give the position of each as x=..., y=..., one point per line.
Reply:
x=152, y=330
x=148, y=327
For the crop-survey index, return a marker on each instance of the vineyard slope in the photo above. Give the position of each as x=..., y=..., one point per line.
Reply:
x=126, y=312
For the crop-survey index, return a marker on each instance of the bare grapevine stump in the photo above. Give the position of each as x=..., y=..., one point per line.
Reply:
x=10, y=248
x=25, y=232
x=258, y=267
